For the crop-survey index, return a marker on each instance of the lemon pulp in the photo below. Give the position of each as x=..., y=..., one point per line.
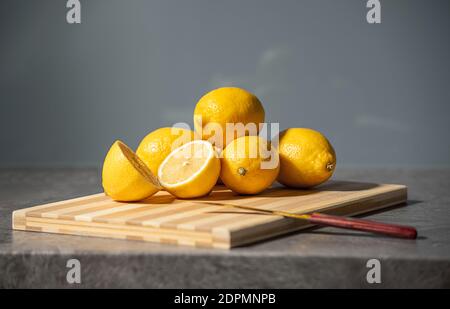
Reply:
x=191, y=170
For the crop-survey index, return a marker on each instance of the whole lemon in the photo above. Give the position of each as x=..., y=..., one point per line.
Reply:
x=249, y=165
x=125, y=177
x=157, y=145
x=307, y=158
x=230, y=105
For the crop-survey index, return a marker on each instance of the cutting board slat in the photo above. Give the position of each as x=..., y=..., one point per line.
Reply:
x=165, y=219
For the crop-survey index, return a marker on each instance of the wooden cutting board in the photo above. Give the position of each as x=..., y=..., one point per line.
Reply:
x=164, y=219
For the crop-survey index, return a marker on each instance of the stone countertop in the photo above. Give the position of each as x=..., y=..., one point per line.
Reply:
x=314, y=258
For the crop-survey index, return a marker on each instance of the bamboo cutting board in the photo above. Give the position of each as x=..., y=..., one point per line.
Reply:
x=165, y=219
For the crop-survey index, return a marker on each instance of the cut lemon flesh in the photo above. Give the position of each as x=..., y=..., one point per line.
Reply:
x=191, y=170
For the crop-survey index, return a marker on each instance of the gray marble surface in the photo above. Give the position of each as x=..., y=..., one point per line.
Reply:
x=315, y=258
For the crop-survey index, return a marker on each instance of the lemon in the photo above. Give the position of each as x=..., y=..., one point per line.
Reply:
x=191, y=170
x=231, y=105
x=157, y=145
x=125, y=177
x=307, y=158
x=249, y=165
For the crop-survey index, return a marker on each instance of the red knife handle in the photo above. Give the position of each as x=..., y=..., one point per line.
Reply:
x=364, y=225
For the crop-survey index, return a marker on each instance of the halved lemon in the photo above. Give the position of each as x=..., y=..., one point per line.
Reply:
x=191, y=170
x=125, y=177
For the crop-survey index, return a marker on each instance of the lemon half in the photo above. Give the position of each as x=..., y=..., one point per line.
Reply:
x=191, y=170
x=125, y=177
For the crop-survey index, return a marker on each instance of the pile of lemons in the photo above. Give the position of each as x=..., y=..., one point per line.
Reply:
x=189, y=164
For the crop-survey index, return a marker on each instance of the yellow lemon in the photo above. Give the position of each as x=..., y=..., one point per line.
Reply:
x=231, y=105
x=157, y=145
x=307, y=158
x=191, y=170
x=125, y=177
x=249, y=165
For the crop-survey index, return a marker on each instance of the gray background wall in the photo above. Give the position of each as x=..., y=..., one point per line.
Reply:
x=381, y=93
